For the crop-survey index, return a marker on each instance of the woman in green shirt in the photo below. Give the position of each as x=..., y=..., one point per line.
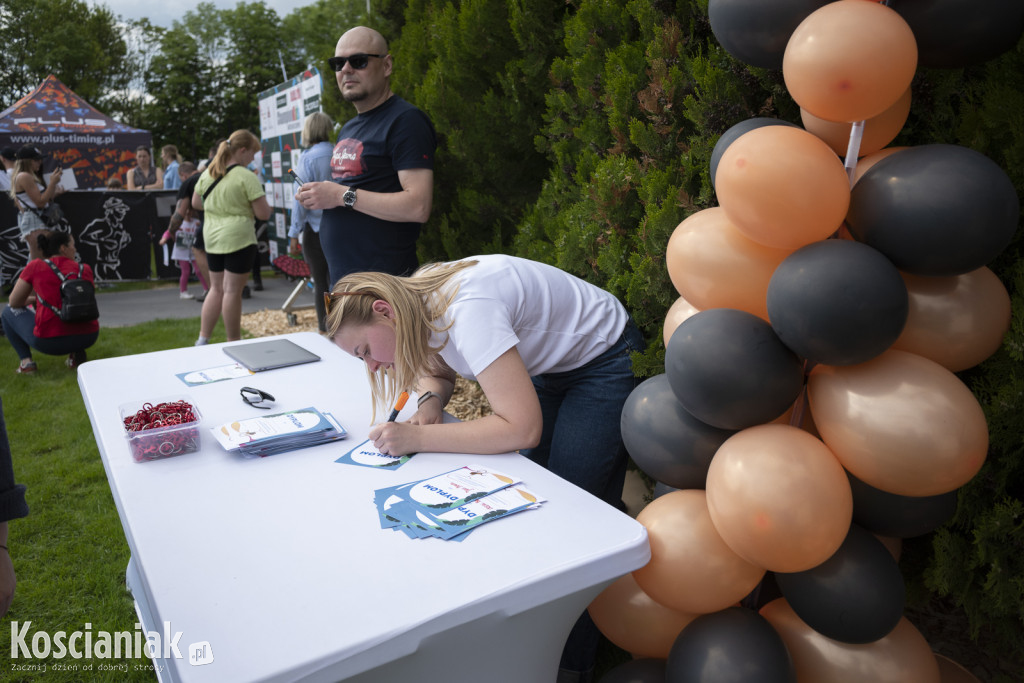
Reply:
x=231, y=198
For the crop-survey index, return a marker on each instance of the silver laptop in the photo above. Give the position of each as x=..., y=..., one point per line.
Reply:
x=270, y=354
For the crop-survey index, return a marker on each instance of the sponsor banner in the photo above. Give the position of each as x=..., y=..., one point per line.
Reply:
x=283, y=111
x=115, y=232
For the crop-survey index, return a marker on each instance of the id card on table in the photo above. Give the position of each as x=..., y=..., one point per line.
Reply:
x=218, y=374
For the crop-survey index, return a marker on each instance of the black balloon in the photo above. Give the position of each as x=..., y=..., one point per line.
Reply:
x=956, y=33
x=660, y=489
x=730, y=370
x=665, y=441
x=937, y=210
x=729, y=137
x=837, y=302
x=856, y=596
x=757, y=32
x=637, y=671
x=889, y=514
x=736, y=645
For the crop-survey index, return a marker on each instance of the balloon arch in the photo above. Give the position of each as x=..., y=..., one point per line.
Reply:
x=809, y=415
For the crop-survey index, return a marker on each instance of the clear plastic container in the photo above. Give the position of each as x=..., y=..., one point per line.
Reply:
x=161, y=442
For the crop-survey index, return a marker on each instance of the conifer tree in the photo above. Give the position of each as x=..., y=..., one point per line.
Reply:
x=481, y=70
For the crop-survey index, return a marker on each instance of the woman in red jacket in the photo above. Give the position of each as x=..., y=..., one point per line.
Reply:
x=44, y=331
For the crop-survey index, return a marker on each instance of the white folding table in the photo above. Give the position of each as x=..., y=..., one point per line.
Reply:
x=281, y=566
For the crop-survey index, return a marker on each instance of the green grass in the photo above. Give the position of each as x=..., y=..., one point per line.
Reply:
x=70, y=553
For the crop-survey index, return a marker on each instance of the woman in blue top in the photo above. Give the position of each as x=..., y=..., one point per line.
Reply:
x=314, y=166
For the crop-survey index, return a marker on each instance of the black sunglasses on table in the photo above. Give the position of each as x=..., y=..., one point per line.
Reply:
x=255, y=397
x=358, y=61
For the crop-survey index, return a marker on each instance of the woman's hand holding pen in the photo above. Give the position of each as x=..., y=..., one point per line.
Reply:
x=386, y=439
x=394, y=438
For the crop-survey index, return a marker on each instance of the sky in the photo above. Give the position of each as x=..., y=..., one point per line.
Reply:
x=164, y=12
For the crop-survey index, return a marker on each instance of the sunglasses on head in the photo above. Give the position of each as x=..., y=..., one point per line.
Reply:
x=358, y=61
x=329, y=298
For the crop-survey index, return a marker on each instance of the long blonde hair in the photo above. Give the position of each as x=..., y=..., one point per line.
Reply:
x=240, y=139
x=23, y=166
x=419, y=302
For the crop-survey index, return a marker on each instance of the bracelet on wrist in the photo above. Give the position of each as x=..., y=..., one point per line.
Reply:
x=5, y=549
x=425, y=397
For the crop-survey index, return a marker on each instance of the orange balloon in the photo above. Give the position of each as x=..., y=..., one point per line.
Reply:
x=955, y=321
x=903, y=656
x=633, y=621
x=901, y=423
x=951, y=672
x=879, y=130
x=849, y=61
x=713, y=265
x=782, y=187
x=677, y=313
x=864, y=163
x=691, y=570
x=779, y=498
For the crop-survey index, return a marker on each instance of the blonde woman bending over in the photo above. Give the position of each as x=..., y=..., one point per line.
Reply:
x=550, y=351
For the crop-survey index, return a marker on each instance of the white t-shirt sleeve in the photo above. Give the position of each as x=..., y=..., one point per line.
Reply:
x=469, y=348
x=558, y=322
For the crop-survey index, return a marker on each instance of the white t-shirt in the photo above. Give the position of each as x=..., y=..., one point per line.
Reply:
x=558, y=321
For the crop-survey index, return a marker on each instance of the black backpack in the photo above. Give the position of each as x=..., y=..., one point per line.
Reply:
x=77, y=297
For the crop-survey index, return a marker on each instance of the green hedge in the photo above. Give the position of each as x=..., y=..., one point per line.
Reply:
x=580, y=135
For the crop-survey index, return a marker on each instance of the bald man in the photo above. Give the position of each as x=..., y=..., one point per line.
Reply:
x=382, y=167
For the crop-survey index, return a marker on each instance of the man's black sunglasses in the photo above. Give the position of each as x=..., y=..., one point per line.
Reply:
x=358, y=61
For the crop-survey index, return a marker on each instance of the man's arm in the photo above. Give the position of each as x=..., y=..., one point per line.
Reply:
x=411, y=205
x=178, y=217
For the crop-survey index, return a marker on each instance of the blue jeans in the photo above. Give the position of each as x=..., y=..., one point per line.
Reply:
x=582, y=408
x=18, y=324
x=582, y=443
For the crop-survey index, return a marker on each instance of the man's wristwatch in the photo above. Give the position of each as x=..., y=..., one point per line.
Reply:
x=349, y=197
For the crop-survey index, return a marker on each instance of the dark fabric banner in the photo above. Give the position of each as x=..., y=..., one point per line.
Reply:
x=116, y=233
x=72, y=132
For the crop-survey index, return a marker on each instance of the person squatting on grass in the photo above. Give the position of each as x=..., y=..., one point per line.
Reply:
x=550, y=351
x=43, y=330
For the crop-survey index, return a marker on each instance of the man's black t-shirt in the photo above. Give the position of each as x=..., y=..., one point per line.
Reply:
x=372, y=148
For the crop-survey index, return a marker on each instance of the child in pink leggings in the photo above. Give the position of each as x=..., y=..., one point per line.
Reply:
x=182, y=253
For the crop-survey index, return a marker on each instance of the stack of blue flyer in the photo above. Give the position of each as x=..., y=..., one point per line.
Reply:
x=451, y=504
x=272, y=434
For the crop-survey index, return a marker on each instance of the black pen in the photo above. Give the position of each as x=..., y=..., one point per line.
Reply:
x=403, y=397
